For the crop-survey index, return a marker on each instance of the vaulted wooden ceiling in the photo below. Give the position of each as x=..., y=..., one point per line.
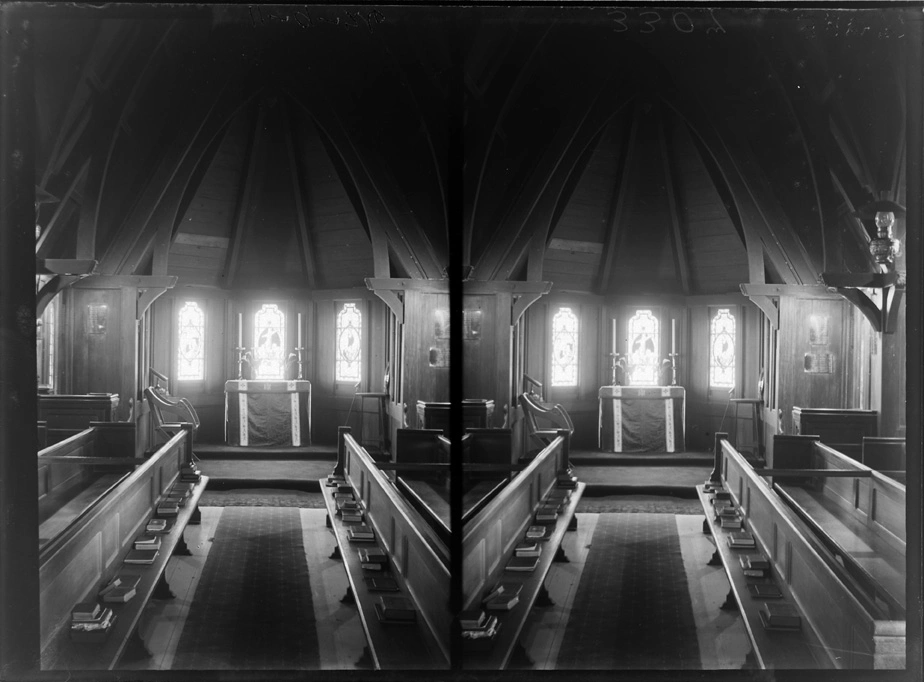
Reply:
x=308, y=147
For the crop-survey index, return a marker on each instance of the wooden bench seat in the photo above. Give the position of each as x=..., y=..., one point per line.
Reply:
x=488, y=544
x=418, y=559
x=78, y=561
x=842, y=625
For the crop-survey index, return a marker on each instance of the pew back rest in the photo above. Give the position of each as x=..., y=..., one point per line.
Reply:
x=417, y=552
x=489, y=537
x=74, y=565
x=883, y=454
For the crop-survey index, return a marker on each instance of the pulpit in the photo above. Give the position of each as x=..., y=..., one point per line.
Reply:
x=641, y=419
x=268, y=413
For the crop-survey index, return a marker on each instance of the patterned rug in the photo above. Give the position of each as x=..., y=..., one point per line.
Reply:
x=261, y=497
x=632, y=608
x=252, y=609
x=638, y=504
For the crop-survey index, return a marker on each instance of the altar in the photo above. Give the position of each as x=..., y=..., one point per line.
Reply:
x=268, y=412
x=641, y=419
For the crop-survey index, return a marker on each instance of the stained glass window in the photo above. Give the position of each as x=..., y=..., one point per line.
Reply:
x=722, y=349
x=564, y=348
x=644, y=340
x=269, y=333
x=349, y=343
x=190, y=361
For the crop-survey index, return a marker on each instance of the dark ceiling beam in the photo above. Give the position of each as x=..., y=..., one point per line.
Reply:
x=303, y=232
x=108, y=123
x=677, y=236
x=162, y=226
x=383, y=200
x=62, y=214
x=616, y=209
x=485, y=136
x=741, y=173
x=430, y=106
x=579, y=125
x=254, y=162
x=205, y=108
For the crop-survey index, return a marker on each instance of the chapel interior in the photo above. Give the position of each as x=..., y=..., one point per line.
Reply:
x=468, y=340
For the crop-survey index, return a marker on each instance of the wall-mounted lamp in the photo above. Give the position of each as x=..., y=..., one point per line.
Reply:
x=883, y=247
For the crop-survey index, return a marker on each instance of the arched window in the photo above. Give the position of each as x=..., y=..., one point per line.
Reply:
x=644, y=344
x=45, y=346
x=348, y=344
x=269, y=334
x=722, y=349
x=564, y=348
x=190, y=360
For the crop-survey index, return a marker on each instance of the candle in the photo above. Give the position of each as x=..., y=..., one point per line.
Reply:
x=613, y=339
x=299, y=331
x=240, y=330
x=673, y=337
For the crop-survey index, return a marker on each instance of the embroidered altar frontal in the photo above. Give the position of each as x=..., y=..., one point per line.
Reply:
x=641, y=419
x=268, y=413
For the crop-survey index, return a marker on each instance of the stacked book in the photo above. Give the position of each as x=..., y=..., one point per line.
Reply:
x=333, y=480
x=168, y=507
x=559, y=496
x=147, y=541
x=721, y=494
x=729, y=518
x=177, y=496
x=522, y=564
x=765, y=591
x=395, y=609
x=504, y=596
x=158, y=526
x=361, y=533
x=566, y=480
x=780, y=616
x=479, y=630
x=142, y=557
x=91, y=622
x=373, y=559
x=190, y=473
x=347, y=504
x=538, y=533
x=740, y=540
x=381, y=583
x=528, y=548
x=547, y=513
x=120, y=589
x=754, y=566
x=713, y=486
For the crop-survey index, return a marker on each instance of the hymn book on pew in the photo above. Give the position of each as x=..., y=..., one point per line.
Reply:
x=780, y=616
x=527, y=549
x=740, y=540
x=765, y=591
x=522, y=564
x=361, y=533
x=754, y=566
x=141, y=556
x=540, y=533
x=120, y=589
x=394, y=609
x=506, y=587
x=91, y=623
x=381, y=583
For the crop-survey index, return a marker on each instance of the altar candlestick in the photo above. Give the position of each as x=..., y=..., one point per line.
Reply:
x=613, y=341
x=673, y=337
x=299, y=331
x=240, y=330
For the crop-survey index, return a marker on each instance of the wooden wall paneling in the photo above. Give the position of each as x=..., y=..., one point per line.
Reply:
x=503, y=356
x=894, y=377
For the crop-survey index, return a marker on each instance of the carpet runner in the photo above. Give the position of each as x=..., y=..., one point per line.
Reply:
x=632, y=609
x=252, y=609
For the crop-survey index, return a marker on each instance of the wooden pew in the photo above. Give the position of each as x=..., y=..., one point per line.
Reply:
x=886, y=455
x=419, y=563
x=842, y=627
x=842, y=430
x=489, y=540
x=857, y=512
x=78, y=561
x=66, y=415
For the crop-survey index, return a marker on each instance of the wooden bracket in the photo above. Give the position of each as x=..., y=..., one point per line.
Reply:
x=394, y=301
x=64, y=266
x=50, y=289
x=770, y=307
x=521, y=302
x=850, y=286
x=146, y=297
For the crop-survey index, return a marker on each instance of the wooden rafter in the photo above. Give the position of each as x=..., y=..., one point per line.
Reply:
x=63, y=211
x=581, y=124
x=250, y=184
x=677, y=236
x=383, y=200
x=303, y=233
x=616, y=209
x=158, y=230
x=206, y=106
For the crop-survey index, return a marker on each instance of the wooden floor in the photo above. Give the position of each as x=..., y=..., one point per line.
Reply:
x=722, y=640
